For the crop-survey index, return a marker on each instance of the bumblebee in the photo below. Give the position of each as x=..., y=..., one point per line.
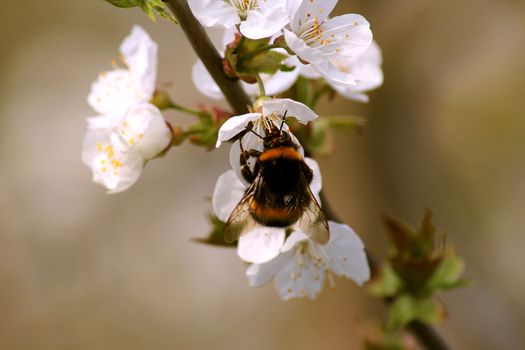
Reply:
x=279, y=193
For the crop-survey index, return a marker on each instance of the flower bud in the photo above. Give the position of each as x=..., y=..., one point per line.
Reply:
x=161, y=100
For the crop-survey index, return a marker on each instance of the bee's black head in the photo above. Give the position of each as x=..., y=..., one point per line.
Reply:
x=276, y=137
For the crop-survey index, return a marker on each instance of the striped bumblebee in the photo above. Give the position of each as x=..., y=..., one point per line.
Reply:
x=279, y=193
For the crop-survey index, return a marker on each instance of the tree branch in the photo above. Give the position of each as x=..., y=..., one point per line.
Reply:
x=239, y=101
x=427, y=335
x=201, y=43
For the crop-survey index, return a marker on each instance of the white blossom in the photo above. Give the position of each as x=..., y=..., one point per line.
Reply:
x=302, y=265
x=257, y=18
x=262, y=243
x=129, y=130
x=367, y=69
x=114, y=92
x=321, y=41
x=112, y=167
x=271, y=111
x=144, y=130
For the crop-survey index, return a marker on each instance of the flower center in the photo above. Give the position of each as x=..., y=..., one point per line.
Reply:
x=106, y=162
x=310, y=31
x=128, y=134
x=243, y=6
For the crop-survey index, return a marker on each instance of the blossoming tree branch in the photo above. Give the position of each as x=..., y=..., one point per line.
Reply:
x=276, y=60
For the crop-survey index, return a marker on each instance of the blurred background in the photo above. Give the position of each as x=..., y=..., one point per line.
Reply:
x=80, y=269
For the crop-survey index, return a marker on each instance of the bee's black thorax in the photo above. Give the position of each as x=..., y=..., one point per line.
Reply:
x=281, y=168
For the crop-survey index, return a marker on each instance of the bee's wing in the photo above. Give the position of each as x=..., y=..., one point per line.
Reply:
x=313, y=221
x=240, y=220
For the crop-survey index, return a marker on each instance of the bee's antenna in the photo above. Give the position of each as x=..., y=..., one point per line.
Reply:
x=256, y=134
x=282, y=121
x=249, y=128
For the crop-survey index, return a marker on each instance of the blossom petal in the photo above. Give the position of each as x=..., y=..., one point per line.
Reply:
x=140, y=55
x=235, y=125
x=331, y=72
x=346, y=254
x=261, y=244
x=226, y=195
x=300, y=48
x=309, y=72
x=260, y=274
x=347, y=35
x=145, y=130
x=204, y=82
x=367, y=69
x=214, y=13
x=299, y=277
x=264, y=21
x=317, y=182
x=115, y=170
x=294, y=109
x=313, y=8
x=293, y=239
x=115, y=91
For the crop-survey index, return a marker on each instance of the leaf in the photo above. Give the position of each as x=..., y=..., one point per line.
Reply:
x=386, y=284
x=401, y=235
x=448, y=273
x=152, y=8
x=347, y=123
x=406, y=309
x=267, y=62
x=216, y=236
x=319, y=141
x=426, y=237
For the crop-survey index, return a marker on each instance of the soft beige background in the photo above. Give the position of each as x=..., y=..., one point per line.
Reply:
x=80, y=269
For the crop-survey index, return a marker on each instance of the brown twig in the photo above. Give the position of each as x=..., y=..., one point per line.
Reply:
x=209, y=56
x=238, y=100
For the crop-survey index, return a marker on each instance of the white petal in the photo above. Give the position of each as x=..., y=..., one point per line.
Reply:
x=261, y=244
x=348, y=35
x=317, y=182
x=301, y=49
x=145, y=129
x=226, y=195
x=281, y=81
x=309, y=72
x=300, y=277
x=264, y=21
x=294, y=109
x=235, y=125
x=140, y=55
x=204, y=82
x=261, y=274
x=367, y=69
x=331, y=72
x=107, y=121
x=115, y=91
x=227, y=37
x=293, y=239
x=214, y=13
x=314, y=8
x=111, y=168
x=346, y=254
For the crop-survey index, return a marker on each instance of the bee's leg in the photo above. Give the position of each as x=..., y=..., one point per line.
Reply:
x=246, y=172
x=254, y=153
x=307, y=172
